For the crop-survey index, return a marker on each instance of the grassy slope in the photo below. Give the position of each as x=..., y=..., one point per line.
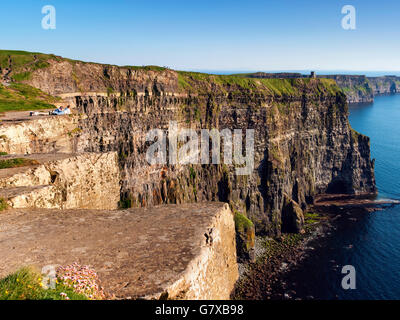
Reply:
x=22, y=97
x=23, y=63
x=19, y=96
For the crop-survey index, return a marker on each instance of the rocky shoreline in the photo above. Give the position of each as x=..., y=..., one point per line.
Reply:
x=279, y=272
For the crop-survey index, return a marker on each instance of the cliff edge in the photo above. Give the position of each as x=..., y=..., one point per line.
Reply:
x=304, y=144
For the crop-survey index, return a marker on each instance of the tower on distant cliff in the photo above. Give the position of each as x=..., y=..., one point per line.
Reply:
x=313, y=75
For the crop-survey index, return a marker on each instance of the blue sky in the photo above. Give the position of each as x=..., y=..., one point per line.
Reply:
x=211, y=35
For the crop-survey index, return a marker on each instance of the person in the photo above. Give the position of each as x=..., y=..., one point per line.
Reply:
x=59, y=111
x=67, y=110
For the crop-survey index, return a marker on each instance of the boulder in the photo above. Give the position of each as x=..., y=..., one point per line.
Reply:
x=292, y=217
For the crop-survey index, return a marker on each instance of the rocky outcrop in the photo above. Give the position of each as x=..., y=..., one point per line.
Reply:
x=245, y=238
x=42, y=135
x=304, y=145
x=64, y=181
x=166, y=252
x=292, y=217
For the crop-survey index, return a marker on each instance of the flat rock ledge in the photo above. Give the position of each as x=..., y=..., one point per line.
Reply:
x=175, y=252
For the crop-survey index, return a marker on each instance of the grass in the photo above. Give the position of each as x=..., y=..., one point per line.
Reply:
x=147, y=68
x=274, y=86
x=242, y=223
x=311, y=218
x=3, y=204
x=19, y=96
x=22, y=97
x=3, y=153
x=23, y=63
x=16, y=162
x=364, y=88
x=26, y=284
x=288, y=241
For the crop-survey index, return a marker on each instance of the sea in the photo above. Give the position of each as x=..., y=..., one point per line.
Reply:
x=369, y=242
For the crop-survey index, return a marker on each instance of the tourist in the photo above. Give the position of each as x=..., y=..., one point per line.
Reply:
x=59, y=111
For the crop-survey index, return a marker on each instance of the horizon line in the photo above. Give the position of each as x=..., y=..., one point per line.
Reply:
x=225, y=70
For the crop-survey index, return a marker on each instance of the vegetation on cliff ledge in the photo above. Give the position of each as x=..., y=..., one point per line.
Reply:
x=242, y=223
x=16, y=162
x=3, y=204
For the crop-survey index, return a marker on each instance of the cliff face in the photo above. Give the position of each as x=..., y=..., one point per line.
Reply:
x=385, y=85
x=361, y=89
x=303, y=142
x=357, y=88
x=63, y=181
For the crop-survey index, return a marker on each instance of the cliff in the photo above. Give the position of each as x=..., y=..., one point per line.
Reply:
x=357, y=88
x=62, y=181
x=304, y=145
x=361, y=89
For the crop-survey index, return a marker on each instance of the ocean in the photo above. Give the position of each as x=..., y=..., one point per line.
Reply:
x=369, y=242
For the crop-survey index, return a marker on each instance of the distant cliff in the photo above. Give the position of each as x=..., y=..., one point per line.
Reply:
x=304, y=144
x=357, y=88
x=364, y=89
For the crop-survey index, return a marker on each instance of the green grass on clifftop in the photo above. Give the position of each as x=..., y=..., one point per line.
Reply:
x=23, y=63
x=195, y=81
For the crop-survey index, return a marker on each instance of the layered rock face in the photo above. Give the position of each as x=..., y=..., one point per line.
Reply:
x=362, y=89
x=303, y=142
x=385, y=85
x=43, y=135
x=357, y=88
x=63, y=181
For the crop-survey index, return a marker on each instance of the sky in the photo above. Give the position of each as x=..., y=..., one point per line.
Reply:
x=249, y=35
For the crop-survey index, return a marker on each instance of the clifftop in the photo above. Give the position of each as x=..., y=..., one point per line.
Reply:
x=56, y=75
x=358, y=88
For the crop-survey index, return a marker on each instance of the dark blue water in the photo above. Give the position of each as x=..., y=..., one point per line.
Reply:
x=376, y=253
x=370, y=242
